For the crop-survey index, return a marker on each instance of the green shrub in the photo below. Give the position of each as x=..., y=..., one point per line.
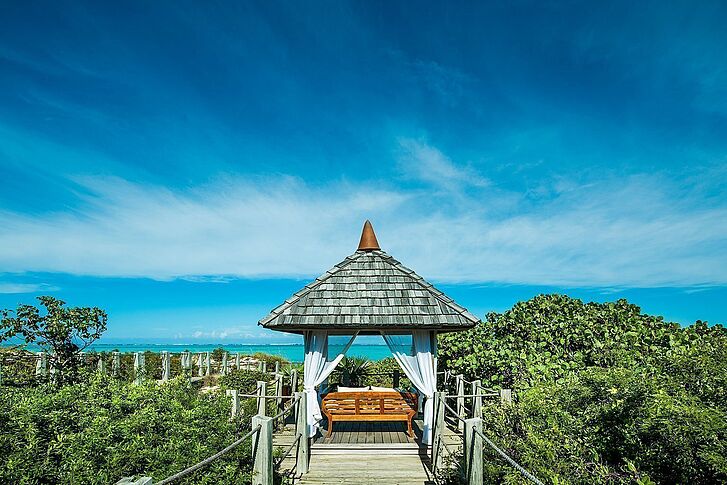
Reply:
x=604, y=393
x=103, y=429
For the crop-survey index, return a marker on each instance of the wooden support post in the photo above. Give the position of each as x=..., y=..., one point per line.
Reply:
x=262, y=392
x=396, y=379
x=460, y=401
x=438, y=431
x=233, y=393
x=223, y=369
x=41, y=366
x=262, y=366
x=101, y=366
x=166, y=366
x=473, y=451
x=207, y=364
x=52, y=370
x=115, y=364
x=301, y=426
x=187, y=362
x=139, y=367
x=200, y=364
x=506, y=396
x=294, y=380
x=262, y=469
x=279, y=392
x=237, y=361
x=476, y=401
x=277, y=367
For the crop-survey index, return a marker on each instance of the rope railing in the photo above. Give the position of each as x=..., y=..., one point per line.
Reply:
x=266, y=396
x=455, y=396
x=489, y=442
x=507, y=458
x=207, y=461
x=286, y=410
x=454, y=413
x=285, y=455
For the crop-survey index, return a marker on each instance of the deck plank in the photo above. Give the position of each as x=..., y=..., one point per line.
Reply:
x=375, y=469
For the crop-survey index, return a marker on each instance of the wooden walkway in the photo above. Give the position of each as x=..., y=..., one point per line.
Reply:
x=365, y=454
x=369, y=433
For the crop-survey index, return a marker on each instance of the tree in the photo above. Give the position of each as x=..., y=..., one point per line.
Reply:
x=62, y=331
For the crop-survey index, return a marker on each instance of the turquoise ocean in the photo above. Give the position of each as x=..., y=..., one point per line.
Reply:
x=292, y=352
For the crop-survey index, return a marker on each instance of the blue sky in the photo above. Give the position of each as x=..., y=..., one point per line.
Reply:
x=188, y=165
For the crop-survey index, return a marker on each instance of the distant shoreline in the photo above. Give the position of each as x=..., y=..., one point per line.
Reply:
x=291, y=351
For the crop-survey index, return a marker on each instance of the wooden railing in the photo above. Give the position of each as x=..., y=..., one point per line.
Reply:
x=262, y=428
x=468, y=423
x=139, y=372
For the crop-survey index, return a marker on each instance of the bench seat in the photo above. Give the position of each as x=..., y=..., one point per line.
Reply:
x=369, y=406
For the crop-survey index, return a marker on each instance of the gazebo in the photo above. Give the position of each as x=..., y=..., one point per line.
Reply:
x=371, y=293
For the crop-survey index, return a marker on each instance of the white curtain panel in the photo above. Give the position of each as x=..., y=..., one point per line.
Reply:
x=417, y=356
x=317, y=369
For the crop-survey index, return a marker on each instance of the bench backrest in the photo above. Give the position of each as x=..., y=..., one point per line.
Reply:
x=370, y=402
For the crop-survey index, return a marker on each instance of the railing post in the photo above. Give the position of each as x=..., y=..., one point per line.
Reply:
x=262, y=391
x=506, y=396
x=396, y=379
x=166, y=366
x=294, y=380
x=301, y=425
x=477, y=400
x=237, y=361
x=101, y=364
x=460, y=401
x=207, y=364
x=233, y=393
x=223, y=371
x=279, y=391
x=187, y=364
x=139, y=361
x=41, y=366
x=262, y=451
x=438, y=431
x=277, y=367
x=52, y=370
x=262, y=366
x=115, y=364
x=200, y=364
x=473, y=451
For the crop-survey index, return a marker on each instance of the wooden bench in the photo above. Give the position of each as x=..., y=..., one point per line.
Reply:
x=369, y=406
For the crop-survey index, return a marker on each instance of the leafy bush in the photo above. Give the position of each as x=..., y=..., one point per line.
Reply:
x=244, y=381
x=17, y=367
x=103, y=429
x=604, y=393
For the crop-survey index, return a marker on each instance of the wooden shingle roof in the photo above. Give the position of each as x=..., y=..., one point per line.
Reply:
x=369, y=290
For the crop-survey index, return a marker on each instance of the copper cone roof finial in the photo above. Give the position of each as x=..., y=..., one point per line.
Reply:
x=368, y=238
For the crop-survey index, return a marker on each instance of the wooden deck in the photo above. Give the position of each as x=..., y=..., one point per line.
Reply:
x=367, y=469
x=366, y=454
x=368, y=433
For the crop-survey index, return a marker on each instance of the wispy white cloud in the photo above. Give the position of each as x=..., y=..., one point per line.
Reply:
x=10, y=288
x=424, y=162
x=643, y=230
